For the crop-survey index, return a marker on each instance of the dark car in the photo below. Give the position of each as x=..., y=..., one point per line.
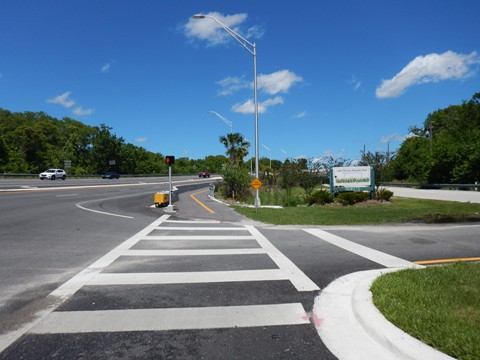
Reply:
x=204, y=174
x=111, y=175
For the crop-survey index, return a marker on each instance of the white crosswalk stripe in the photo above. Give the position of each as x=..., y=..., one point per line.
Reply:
x=193, y=252
x=198, y=237
x=173, y=319
x=188, y=277
x=193, y=232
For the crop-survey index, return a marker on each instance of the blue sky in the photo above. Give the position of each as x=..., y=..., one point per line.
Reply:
x=333, y=76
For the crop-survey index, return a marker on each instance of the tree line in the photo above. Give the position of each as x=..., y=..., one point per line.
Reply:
x=31, y=142
x=444, y=150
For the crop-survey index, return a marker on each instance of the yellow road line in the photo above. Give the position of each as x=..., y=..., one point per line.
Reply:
x=441, y=261
x=202, y=204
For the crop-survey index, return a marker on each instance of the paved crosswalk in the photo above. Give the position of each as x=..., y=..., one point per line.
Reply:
x=169, y=252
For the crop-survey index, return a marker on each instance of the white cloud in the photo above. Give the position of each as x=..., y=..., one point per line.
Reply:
x=255, y=31
x=392, y=138
x=272, y=84
x=141, y=139
x=300, y=115
x=232, y=84
x=248, y=106
x=277, y=82
x=430, y=68
x=355, y=82
x=105, y=68
x=210, y=31
x=270, y=102
x=79, y=111
x=62, y=100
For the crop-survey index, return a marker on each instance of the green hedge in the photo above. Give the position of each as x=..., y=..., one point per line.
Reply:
x=352, y=197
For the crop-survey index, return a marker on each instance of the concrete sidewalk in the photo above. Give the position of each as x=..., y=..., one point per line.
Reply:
x=447, y=195
x=354, y=329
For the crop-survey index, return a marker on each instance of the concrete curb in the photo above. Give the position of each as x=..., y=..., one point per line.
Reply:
x=353, y=328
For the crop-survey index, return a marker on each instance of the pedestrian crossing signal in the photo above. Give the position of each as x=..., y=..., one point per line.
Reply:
x=170, y=160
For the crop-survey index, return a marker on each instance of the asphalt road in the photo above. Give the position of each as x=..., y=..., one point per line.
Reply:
x=96, y=272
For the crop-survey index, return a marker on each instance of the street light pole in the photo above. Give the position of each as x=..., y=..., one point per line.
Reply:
x=255, y=100
x=253, y=51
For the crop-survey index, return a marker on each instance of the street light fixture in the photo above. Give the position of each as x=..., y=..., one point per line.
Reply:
x=225, y=120
x=252, y=49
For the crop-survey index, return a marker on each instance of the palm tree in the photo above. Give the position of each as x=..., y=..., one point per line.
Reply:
x=237, y=147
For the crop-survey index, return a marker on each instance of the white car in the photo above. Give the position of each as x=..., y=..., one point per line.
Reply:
x=53, y=174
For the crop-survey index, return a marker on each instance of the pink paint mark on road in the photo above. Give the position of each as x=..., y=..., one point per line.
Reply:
x=314, y=319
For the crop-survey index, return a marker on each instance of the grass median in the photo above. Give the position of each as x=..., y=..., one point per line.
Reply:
x=398, y=210
x=439, y=305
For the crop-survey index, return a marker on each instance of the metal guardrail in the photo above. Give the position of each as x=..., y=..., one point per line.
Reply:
x=90, y=176
x=6, y=176
x=432, y=186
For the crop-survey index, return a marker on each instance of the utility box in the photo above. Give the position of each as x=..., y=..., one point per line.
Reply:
x=161, y=198
x=211, y=190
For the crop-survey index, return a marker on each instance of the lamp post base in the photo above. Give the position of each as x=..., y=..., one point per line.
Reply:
x=257, y=200
x=169, y=209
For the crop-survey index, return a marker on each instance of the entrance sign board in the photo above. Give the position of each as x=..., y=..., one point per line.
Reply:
x=352, y=178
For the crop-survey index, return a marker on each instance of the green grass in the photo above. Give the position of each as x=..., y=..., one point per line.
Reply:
x=438, y=305
x=398, y=210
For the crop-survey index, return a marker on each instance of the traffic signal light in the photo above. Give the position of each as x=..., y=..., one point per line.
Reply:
x=170, y=160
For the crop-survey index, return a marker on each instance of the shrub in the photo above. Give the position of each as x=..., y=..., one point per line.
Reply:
x=236, y=182
x=383, y=194
x=289, y=176
x=352, y=197
x=320, y=197
x=289, y=201
x=308, y=180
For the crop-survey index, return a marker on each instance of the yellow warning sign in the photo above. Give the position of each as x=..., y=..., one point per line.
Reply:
x=256, y=183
